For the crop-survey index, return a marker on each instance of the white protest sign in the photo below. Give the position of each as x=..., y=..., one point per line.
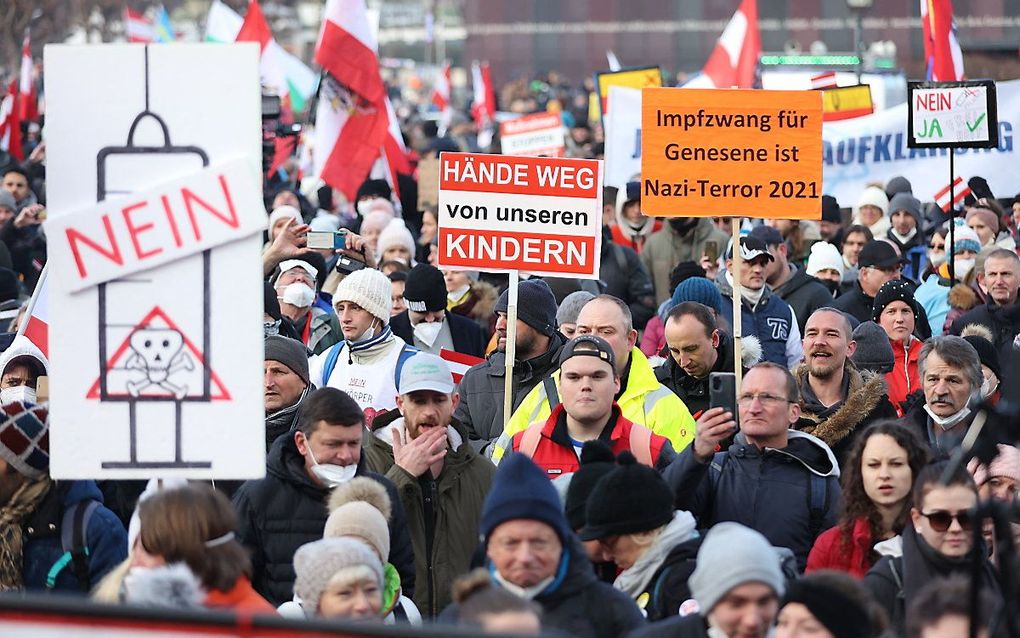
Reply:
x=502, y=213
x=533, y=135
x=157, y=373
x=948, y=114
x=126, y=235
x=623, y=136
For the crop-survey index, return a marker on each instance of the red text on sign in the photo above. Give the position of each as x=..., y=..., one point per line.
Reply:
x=487, y=249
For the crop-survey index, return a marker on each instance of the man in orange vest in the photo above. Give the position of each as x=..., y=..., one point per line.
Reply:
x=588, y=383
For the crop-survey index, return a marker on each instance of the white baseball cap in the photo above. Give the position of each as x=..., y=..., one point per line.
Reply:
x=424, y=371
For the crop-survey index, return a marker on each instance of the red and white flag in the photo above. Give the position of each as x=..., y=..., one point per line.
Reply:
x=441, y=91
x=137, y=27
x=944, y=60
x=10, y=122
x=960, y=191
x=28, y=100
x=735, y=58
x=483, y=106
x=459, y=363
x=351, y=121
x=35, y=325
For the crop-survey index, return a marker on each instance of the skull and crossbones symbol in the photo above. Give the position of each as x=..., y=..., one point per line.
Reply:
x=159, y=353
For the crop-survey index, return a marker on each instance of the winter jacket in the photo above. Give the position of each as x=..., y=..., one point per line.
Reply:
x=767, y=490
x=644, y=401
x=623, y=277
x=804, y=294
x=577, y=603
x=478, y=304
x=443, y=513
x=658, y=578
x=914, y=251
x=555, y=453
x=943, y=446
x=666, y=248
x=653, y=338
x=905, y=377
x=621, y=234
x=481, y=390
x=27, y=247
x=933, y=296
x=855, y=557
x=284, y=421
x=839, y=425
x=105, y=539
x=241, y=599
x=1003, y=321
x=771, y=320
x=856, y=303
x=324, y=331
x=694, y=392
x=692, y=626
x=287, y=509
x=467, y=335
x=396, y=607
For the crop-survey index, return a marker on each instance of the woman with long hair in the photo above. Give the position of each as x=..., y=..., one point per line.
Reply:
x=878, y=476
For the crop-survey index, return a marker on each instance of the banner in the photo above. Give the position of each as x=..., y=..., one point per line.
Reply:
x=540, y=134
x=635, y=78
x=623, y=136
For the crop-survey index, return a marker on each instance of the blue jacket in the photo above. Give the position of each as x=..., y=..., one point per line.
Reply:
x=105, y=536
x=771, y=320
x=767, y=491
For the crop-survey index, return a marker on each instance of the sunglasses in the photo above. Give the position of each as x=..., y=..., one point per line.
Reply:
x=940, y=520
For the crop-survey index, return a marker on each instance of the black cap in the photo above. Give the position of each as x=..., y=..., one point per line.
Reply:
x=878, y=254
x=987, y=353
x=588, y=346
x=768, y=234
x=425, y=289
x=830, y=210
x=751, y=248
x=374, y=187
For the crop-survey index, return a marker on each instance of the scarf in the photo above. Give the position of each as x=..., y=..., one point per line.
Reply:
x=634, y=580
x=22, y=503
x=281, y=422
x=922, y=564
x=369, y=345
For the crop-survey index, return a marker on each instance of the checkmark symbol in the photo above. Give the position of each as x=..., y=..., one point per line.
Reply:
x=976, y=123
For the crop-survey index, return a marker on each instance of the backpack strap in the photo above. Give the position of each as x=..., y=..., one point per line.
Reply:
x=330, y=363
x=74, y=526
x=641, y=444
x=897, y=578
x=530, y=439
x=551, y=393
x=817, y=496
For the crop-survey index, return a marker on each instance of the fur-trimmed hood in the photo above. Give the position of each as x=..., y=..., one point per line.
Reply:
x=963, y=297
x=866, y=391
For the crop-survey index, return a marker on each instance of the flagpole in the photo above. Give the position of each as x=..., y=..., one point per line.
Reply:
x=737, y=301
x=952, y=223
x=511, y=348
x=23, y=322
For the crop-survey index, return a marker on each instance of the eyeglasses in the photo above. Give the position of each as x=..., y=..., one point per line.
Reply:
x=937, y=246
x=763, y=397
x=940, y=520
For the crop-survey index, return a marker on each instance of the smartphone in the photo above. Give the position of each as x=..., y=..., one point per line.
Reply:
x=722, y=393
x=324, y=239
x=712, y=250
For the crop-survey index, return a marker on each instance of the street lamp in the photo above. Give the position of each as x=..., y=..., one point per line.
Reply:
x=858, y=7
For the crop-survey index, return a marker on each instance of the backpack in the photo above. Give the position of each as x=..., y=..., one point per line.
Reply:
x=406, y=353
x=74, y=525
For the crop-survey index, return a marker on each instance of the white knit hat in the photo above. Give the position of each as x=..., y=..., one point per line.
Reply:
x=873, y=196
x=395, y=234
x=368, y=288
x=316, y=563
x=283, y=212
x=824, y=256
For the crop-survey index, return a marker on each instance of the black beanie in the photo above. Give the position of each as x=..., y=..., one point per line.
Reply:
x=376, y=187
x=536, y=305
x=425, y=289
x=844, y=616
x=987, y=353
x=632, y=498
x=830, y=210
x=893, y=290
x=874, y=352
x=597, y=460
x=290, y=353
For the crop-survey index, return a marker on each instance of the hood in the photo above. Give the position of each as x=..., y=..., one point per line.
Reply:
x=798, y=279
x=78, y=491
x=22, y=347
x=808, y=450
x=497, y=360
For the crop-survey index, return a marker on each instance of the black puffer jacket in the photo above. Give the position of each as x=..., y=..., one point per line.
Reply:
x=694, y=392
x=285, y=510
x=625, y=278
x=1002, y=321
x=804, y=294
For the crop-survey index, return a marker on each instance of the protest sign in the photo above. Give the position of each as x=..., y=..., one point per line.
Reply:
x=428, y=182
x=846, y=102
x=731, y=152
x=623, y=136
x=952, y=114
x=534, y=214
x=533, y=135
x=157, y=371
x=635, y=78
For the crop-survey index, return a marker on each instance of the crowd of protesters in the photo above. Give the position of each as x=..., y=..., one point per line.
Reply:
x=621, y=496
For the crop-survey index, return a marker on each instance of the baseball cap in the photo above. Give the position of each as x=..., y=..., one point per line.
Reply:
x=751, y=248
x=878, y=254
x=425, y=371
x=288, y=264
x=588, y=346
x=767, y=234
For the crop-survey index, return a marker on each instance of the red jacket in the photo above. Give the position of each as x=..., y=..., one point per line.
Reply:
x=830, y=553
x=241, y=598
x=637, y=242
x=554, y=452
x=904, y=378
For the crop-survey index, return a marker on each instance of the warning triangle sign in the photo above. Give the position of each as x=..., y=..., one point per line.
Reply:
x=157, y=318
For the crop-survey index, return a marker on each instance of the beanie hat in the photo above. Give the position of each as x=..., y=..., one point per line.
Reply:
x=824, y=256
x=632, y=498
x=7, y=201
x=874, y=352
x=290, y=353
x=283, y=212
x=368, y=288
x=987, y=353
x=395, y=234
x=898, y=184
x=571, y=306
x=907, y=203
x=316, y=563
x=842, y=615
x=987, y=217
x=520, y=490
x=24, y=438
x=964, y=238
x=730, y=556
x=830, y=210
x=376, y=221
x=425, y=289
x=873, y=196
x=374, y=188
x=700, y=290
x=682, y=271
x=893, y=290
x=361, y=507
x=1005, y=464
x=325, y=223
x=536, y=305
x=596, y=461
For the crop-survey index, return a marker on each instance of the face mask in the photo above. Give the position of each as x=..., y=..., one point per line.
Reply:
x=963, y=267
x=528, y=593
x=298, y=294
x=364, y=207
x=458, y=293
x=947, y=422
x=937, y=259
x=271, y=328
x=18, y=394
x=987, y=388
x=332, y=475
x=427, y=333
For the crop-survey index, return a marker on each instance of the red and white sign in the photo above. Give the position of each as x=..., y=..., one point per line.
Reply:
x=538, y=215
x=533, y=135
x=960, y=192
x=459, y=362
x=156, y=226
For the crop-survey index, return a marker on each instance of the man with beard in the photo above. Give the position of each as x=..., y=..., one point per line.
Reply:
x=837, y=401
x=681, y=239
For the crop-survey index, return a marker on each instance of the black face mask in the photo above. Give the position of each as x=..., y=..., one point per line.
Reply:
x=833, y=286
x=683, y=225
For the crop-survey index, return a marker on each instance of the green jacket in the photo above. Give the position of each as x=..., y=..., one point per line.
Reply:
x=458, y=494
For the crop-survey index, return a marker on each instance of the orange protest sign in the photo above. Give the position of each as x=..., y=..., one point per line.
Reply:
x=723, y=152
